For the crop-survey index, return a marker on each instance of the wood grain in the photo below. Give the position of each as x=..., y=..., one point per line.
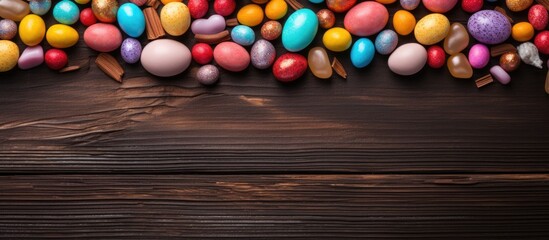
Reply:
x=509, y=206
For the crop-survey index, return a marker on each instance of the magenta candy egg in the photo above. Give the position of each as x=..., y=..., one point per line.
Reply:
x=231, y=56
x=479, y=56
x=439, y=6
x=366, y=18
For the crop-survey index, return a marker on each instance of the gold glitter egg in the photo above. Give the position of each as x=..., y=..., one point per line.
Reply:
x=271, y=30
x=105, y=10
x=326, y=18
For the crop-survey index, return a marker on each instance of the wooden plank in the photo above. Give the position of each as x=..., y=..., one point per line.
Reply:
x=502, y=206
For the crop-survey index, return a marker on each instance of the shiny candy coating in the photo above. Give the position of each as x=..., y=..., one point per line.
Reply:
x=457, y=39
x=319, y=63
x=436, y=57
x=87, y=18
x=105, y=10
x=518, y=5
x=39, y=7
x=130, y=50
x=432, y=29
x=471, y=6
x=207, y=74
x=509, y=61
x=8, y=29
x=326, y=18
x=250, y=15
x=32, y=30
x=10, y=54
x=131, y=19
x=103, y=37
x=66, y=12
x=340, y=6
x=56, y=59
x=529, y=54
x=243, y=35
x=31, y=57
x=165, y=57
x=538, y=17
x=409, y=4
x=408, y=59
x=299, y=30
x=289, y=67
x=489, y=27
x=262, y=54
x=271, y=30
x=522, y=31
x=404, y=22
x=224, y=7
x=386, y=42
x=366, y=18
x=198, y=8
x=479, y=56
x=337, y=39
x=231, y=56
x=500, y=75
x=14, y=9
x=459, y=66
x=542, y=42
x=202, y=53
x=62, y=36
x=439, y=6
x=175, y=18
x=276, y=9
x=362, y=52
x=212, y=25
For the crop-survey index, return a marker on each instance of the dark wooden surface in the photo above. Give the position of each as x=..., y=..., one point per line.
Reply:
x=374, y=156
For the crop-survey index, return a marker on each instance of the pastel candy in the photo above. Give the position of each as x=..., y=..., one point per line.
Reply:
x=213, y=24
x=501, y=75
x=31, y=57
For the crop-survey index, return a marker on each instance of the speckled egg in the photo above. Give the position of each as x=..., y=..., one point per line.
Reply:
x=130, y=50
x=8, y=29
x=175, y=18
x=439, y=6
x=538, y=17
x=518, y=5
x=432, y=29
x=409, y=4
x=489, y=27
x=386, y=42
x=105, y=10
x=243, y=35
x=263, y=54
x=40, y=7
x=207, y=74
x=271, y=30
x=10, y=54
x=66, y=12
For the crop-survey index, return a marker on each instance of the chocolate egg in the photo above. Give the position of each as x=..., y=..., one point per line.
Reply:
x=271, y=30
x=326, y=18
x=105, y=10
x=509, y=61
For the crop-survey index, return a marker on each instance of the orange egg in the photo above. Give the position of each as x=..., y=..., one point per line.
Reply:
x=385, y=1
x=404, y=22
x=522, y=31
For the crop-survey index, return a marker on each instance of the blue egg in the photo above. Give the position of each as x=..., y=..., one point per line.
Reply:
x=40, y=7
x=130, y=50
x=66, y=12
x=243, y=35
x=299, y=30
x=131, y=19
x=386, y=42
x=409, y=4
x=316, y=1
x=362, y=52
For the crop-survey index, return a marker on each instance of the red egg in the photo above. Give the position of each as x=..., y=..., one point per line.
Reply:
x=87, y=18
x=56, y=59
x=471, y=6
x=224, y=7
x=340, y=6
x=436, y=57
x=198, y=8
x=538, y=17
x=289, y=67
x=542, y=42
x=202, y=53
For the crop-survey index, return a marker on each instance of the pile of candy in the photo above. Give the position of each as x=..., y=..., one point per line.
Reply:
x=231, y=42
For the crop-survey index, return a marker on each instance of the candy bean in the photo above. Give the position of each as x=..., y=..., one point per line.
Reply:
x=501, y=75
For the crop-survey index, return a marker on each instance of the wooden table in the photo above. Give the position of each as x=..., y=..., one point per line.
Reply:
x=374, y=156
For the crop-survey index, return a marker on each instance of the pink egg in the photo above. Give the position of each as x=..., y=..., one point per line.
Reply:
x=439, y=6
x=231, y=56
x=479, y=56
x=366, y=18
x=103, y=37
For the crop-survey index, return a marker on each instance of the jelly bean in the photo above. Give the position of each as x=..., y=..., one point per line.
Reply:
x=404, y=22
x=457, y=39
x=522, y=31
x=326, y=18
x=337, y=39
x=542, y=42
x=479, y=56
x=319, y=63
x=14, y=9
x=250, y=15
x=459, y=66
x=509, y=61
x=529, y=54
x=500, y=75
x=207, y=74
x=538, y=17
x=436, y=56
x=243, y=35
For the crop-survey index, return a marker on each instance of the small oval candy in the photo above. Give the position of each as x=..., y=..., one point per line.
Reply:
x=432, y=29
x=404, y=22
x=14, y=9
x=175, y=18
x=538, y=17
x=103, y=37
x=409, y=4
x=202, y=53
x=509, y=61
x=501, y=75
x=337, y=39
x=231, y=56
x=250, y=15
x=366, y=18
x=243, y=35
x=263, y=54
x=436, y=57
x=56, y=59
x=10, y=54
x=276, y=9
x=198, y=8
x=224, y=7
x=439, y=6
x=299, y=30
x=522, y=31
x=408, y=59
x=207, y=74
x=87, y=18
x=319, y=63
x=479, y=56
x=8, y=29
x=130, y=50
x=326, y=18
x=340, y=6
x=271, y=30
x=362, y=52
x=542, y=42
x=386, y=42
x=40, y=7
x=32, y=29
x=289, y=67
x=457, y=39
x=62, y=36
x=131, y=19
x=518, y=5
x=471, y=6
x=105, y=10
x=66, y=12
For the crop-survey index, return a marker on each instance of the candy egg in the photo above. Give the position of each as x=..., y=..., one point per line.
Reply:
x=471, y=6
x=10, y=54
x=340, y=6
x=518, y=5
x=131, y=19
x=40, y=7
x=409, y=4
x=439, y=6
x=105, y=10
x=250, y=15
x=366, y=18
x=489, y=27
x=165, y=57
x=386, y=1
x=263, y=54
x=202, y=53
x=408, y=59
x=103, y=37
x=289, y=67
x=386, y=42
x=62, y=36
x=31, y=57
x=404, y=22
x=362, y=52
x=32, y=29
x=479, y=56
x=243, y=35
x=231, y=56
x=299, y=30
x=276, y=9
x=326, y=18
x=538, y=17
x=175, y=18
x=319, y=63
x=82, y=2
x=509, y=61
x=432, y=29
x=522, y=31
x=436, y=57
x=130, y=50
x=8, y=29
x=224, y=7
x=207, y=74
x=271, y=30
x=337, y=39
x=87, y=18
x=66, y=12
x=198, y=8
x=542, y=42
x=56, y=59
x=457, y=39
x=459, y=66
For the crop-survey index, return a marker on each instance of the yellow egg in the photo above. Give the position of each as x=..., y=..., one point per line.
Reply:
x=404, y=22
x=175, y=18
x=386, y=1
x=276, y=9
x=10, y=54
x=32, y=29
x=61, y=36
x=522, y=31
x=169, y=1
x=82, y=2
x=337, y=39
x=250, y=15
x=432, y=29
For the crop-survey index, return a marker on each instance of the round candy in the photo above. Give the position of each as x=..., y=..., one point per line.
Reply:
x=432, y=29
x=404, y=22
x=224, y=7
x=436, y=57
x=198, y=8
x=271, y=30
x=207, y=74
x=66, y=12
x=542, y=42
x=250, y=15
x=409, y=4
x=362, y=53
x=87, y=18
x=276, y=9
x=479, y=56
x=243, y=35
x=340, y=6
x=439, y=6
x=386, y=42
x=366, y=18
x=509, y=61
x=40, y=7
x=8, y=29
x=471, y=6
x=105, y=10
x=175, y=18
x=56, y=59
x=202, y=53
x=82, y=2
x=518, y=5
x=32, y=29
x=408, y=59
x=386, y=1
x=10, y=54
x=489, y=27
x=337, y=39
x=538, y=17
x=62, y=36
x=522, y=31
x=131, y=19
x=231, y=56
x=326, y=18
x=289, y=67
x=130, y=50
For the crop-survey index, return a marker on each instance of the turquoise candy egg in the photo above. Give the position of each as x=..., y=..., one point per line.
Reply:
x=131, y=19
x=316, y=1
x=243, y=35
x=386, y=42
x=66, y=12
x=299, y=30
x=362, y=52
x=40, y=7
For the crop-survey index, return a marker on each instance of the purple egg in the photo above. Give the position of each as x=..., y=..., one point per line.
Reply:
x=130, y=50
x=8, y=29
x=207, y=74
x=489, y=27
